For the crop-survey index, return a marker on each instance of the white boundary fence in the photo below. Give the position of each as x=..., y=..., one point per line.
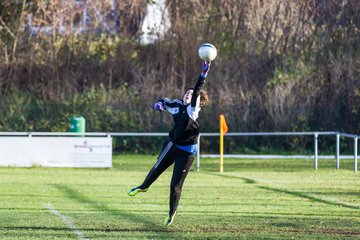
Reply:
x=316, y=147
x=246, y=134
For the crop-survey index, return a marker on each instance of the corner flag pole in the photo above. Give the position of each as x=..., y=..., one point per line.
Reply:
x=223, y=130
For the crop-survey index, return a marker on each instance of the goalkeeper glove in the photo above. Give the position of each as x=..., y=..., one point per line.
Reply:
x=205, y=69
x=158, y=106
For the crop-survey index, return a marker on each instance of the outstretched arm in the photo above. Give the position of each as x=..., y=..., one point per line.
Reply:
x=200, y=82
x=172, y=106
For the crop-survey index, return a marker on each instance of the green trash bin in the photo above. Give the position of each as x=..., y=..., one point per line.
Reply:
x=77, y=124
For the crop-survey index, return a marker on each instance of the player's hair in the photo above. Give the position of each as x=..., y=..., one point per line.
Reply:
x=203, y=98
x=188, y=88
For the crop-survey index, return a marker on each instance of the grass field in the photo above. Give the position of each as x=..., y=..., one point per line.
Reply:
x=253, y=199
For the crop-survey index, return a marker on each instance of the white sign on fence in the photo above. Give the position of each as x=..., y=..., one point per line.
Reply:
x=90, y=152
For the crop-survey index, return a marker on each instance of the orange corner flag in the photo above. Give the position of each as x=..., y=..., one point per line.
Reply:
x=223, y=126
x=223, y=129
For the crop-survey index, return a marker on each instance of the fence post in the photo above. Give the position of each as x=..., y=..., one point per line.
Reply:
x=337, y=151
x=316, y=151
x=355, y=153
x=198, y=155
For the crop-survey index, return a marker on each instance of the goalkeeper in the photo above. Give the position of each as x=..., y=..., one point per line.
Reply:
x=182, y=145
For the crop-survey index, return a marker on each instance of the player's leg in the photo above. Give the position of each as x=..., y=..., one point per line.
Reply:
x=181, y=168
x=163, y=162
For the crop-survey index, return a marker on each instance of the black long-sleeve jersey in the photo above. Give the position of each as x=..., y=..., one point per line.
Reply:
x=186, y=128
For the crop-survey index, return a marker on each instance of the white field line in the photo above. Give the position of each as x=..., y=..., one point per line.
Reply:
x=67, y=221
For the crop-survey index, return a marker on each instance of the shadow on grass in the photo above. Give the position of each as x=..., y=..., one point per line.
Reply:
x=272, y=165
x=309, y=197
x=135, y=218
x=293, y=193
x=246, y=180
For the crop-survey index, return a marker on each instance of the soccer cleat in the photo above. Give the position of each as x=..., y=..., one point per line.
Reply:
x=169, y=220
x=135, y=191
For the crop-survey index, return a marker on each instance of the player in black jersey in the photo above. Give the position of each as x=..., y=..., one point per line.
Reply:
x=182, y=144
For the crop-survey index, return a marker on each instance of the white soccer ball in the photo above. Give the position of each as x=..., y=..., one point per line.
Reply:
x=207, y=52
